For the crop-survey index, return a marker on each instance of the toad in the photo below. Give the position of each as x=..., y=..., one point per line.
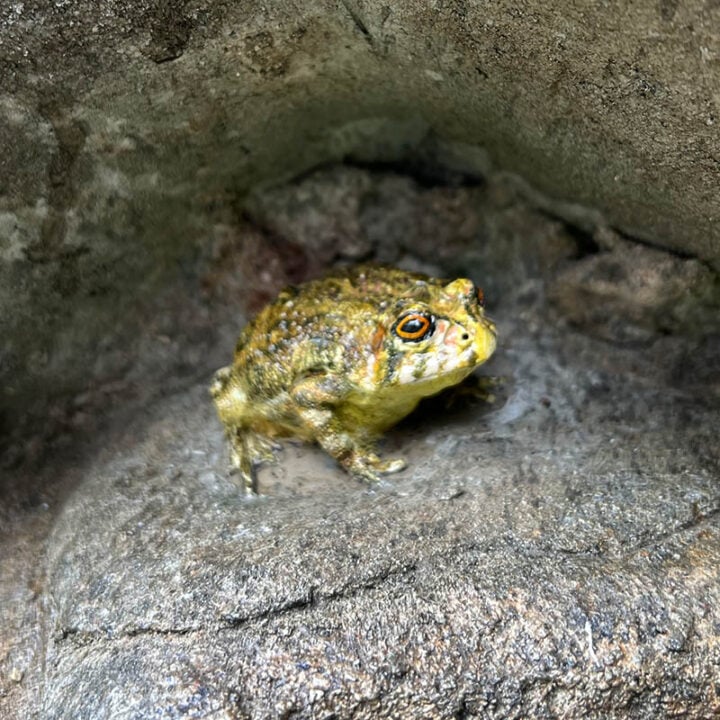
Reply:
x=341, y=359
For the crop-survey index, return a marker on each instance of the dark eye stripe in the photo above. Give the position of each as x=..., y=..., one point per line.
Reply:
x=414, y=326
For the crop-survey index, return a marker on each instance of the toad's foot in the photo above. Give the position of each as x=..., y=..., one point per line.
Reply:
x=317, y=398
x=369, y=467
x=249, y=450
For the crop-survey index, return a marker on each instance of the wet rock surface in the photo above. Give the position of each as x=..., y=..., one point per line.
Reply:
x=554, y=553
x=551, y=553
x=166, y=167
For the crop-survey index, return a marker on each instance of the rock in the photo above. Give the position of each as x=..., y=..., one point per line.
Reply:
x=632, y=293
x=560, y=561
x=167, y=166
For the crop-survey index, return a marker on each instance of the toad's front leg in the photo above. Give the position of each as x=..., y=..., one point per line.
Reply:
x=317, y=399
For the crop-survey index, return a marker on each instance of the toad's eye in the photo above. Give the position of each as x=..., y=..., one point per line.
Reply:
x=480, y=295
x=414, y=327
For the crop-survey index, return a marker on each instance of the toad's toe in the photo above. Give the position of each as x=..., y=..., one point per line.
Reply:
x=387, y=467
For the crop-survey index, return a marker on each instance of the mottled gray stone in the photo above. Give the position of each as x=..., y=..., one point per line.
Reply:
x=553, y=555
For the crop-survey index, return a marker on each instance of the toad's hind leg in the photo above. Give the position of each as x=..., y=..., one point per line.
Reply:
x=249, y=450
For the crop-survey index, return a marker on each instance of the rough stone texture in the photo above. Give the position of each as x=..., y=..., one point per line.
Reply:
x=555, y=552
x=631, y=292
x=552, y=554
x=556, y=555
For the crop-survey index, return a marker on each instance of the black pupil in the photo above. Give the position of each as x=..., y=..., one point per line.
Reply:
x=414, y=325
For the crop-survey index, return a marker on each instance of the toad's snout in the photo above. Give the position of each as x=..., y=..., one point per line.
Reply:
x=485, y=340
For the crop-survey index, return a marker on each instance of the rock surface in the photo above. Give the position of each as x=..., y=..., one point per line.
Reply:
x=557, y=554
x=553, y=554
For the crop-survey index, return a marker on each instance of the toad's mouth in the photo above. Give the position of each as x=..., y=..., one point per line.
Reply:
x=485, y=342
x=448, y=362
